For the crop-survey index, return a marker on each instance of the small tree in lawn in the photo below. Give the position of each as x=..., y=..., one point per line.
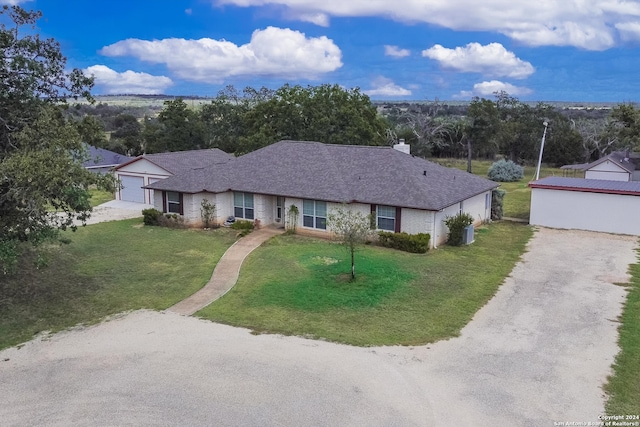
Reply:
x=352, y=229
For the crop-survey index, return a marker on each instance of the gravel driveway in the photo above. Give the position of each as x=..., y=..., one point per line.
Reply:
x=536, y=353
x=115, y=210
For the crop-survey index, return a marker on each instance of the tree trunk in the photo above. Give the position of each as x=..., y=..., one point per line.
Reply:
x=469, y=155
x=353, y=266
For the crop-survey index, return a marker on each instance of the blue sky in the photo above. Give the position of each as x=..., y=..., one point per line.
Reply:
x=545, y=50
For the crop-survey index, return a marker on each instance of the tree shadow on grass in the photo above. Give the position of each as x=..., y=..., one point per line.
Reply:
x=44, y=297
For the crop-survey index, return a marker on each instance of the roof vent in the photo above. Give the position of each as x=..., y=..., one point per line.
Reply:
x=424, y=173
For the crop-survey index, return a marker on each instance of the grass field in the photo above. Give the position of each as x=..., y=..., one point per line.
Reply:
x=108, y=268
x=623, y=387
x=99, y=197
x=518, y=198
x=299, y=286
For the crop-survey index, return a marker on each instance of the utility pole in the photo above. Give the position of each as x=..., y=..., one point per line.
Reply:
x=544, y=135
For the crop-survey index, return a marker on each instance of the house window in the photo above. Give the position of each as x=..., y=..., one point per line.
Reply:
x=243, y=205
x=314, y=214
x=173, y=202
x=386, y=218
x=487, y=201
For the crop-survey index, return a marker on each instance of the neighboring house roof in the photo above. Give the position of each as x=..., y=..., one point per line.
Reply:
x=339, y=173
x=578, y=166
x=101, y=158
x=177, y=162
x=627, y=161
x=588, y=185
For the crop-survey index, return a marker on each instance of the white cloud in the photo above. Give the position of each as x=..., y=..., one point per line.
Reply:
x=273, y=52
x=588, y=24
x=319, y=19
x=492, y=60
x=629, y=31
x=485, y=89
x=128, y=82
x=395, y=51
x=385, y=87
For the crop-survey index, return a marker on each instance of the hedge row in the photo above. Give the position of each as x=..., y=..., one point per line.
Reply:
x=414, y=243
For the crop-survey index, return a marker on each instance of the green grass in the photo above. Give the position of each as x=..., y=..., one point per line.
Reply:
x=517, y=201
x=99, y=197
x=624, y=385
x=108, y=268
x=299, y=286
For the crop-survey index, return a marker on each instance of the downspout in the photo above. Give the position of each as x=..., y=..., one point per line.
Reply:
x=435, y=230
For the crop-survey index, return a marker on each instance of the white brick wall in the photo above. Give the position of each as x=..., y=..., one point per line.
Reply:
x=414, y=221
x=477, y=207
x=157, y=200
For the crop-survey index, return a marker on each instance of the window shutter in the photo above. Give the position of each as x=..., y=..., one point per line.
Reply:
x=374, y=217
x=164, y=202
x=181, y=203
x=398, y=218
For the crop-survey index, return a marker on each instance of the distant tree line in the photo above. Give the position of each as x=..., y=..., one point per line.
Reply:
x=512, y=129
x=240, y=121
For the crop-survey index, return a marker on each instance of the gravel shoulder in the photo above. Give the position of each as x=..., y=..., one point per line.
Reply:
x=538, y=352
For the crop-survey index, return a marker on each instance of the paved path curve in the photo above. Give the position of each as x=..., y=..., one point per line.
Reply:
x=226, y=272
x=536, y=354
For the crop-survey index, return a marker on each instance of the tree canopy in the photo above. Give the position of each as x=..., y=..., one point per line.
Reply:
x=43, y=186
x=240, y=123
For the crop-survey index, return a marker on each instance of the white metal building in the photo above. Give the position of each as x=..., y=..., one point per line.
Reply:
x=586, y=204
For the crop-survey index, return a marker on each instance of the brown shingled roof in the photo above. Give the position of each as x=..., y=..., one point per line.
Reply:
x=177, y=162
x=338, y=173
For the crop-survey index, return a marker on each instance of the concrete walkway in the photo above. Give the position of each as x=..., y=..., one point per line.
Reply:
x=226, y=272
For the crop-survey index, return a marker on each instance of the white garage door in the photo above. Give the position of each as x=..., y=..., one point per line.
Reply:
x=132, y=189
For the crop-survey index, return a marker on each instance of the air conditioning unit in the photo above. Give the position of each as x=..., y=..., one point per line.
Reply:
x=467, y=235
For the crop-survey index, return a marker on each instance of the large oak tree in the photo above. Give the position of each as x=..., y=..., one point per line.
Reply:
x=43, y=186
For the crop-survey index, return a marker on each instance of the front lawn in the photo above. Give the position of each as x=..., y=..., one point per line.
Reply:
x=300, y=286
x=108, y=268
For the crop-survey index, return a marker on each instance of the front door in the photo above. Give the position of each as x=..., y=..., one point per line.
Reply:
x=279, y=207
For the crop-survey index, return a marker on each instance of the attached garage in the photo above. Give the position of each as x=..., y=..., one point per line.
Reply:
x=586, y=204
x=149, y=168
x=131, y=190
